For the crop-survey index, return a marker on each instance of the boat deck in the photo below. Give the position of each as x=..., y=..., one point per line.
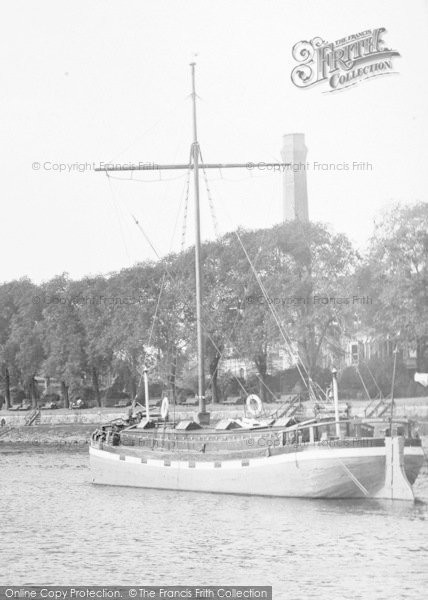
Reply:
x=209, y=444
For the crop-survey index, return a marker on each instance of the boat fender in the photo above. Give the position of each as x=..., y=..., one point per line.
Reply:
x=254, y=405
x=164, y=408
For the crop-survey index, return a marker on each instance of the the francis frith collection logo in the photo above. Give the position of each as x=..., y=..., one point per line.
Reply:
x=342, y=63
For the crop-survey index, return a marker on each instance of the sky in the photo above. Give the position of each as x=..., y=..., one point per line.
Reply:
x=92, y=81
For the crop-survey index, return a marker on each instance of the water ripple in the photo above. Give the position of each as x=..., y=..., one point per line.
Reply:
x=59, y=529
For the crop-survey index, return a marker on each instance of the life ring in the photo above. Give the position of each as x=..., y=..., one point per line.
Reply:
x=254, y=405
x=164, y=408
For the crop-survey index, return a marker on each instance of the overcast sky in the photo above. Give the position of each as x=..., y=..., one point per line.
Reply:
x=89, y=81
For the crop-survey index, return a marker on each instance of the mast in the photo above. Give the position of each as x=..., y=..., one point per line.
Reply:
x=203, y=415
x=193, y=164
x=394, y=369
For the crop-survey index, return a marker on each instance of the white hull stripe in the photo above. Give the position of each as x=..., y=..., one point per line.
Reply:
x=321, y=454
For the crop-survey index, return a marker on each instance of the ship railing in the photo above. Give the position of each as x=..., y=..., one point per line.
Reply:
x=376, y=420
x=357, y=423
x=311, y=431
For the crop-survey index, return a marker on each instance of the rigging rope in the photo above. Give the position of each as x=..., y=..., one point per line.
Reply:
x=289, y=348
x=183, y=241
x=146, y=237
x=171, y=276
x=184, y=194
x=186, y=204
x=300, y=365
x=277, y=321
x=132, y=178
x=373, y=377
x=115, y=206
x=292, y=353
x=362, y=381
x=152, y=326
x=210, y=199
x=157, y=308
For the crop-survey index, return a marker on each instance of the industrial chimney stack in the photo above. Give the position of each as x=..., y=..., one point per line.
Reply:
x=295, y=194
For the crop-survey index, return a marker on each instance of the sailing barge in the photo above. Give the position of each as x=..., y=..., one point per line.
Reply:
x=302, y=460
x=275, y=456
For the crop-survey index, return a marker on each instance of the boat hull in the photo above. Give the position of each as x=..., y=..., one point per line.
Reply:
x=314, y=473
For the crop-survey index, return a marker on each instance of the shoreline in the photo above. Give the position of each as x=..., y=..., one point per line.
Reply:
x=72, y=429
x=62, y=437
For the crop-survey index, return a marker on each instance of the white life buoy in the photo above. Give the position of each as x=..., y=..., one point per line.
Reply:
x=254, y=405
x=164, y=408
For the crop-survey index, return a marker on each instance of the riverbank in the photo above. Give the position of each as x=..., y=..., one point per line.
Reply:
x=96, y=416
x=71, y=429
x=63, y=437
x=412, y=408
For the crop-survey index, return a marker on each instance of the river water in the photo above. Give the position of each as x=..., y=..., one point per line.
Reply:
x=59, y=529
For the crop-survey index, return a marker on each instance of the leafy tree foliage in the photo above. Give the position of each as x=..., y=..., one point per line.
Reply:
x=264, y=289
x=395, y=274
x=21, y=336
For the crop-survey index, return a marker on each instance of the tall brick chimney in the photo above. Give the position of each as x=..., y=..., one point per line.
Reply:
x=295, y=192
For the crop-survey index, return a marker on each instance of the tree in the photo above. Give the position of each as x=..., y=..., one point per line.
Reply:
x=8, y=307
x=95, y=307
x=304, y=271
x=64, y=337
x=223, y=294
x=395, y=275
x=259, y=292
x=21, y=333
x=133, y=293
x=318, y=266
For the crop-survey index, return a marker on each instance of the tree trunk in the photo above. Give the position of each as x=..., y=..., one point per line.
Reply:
x=262, y=389
x=261, y=364
x=307, y=344
x=96, y=386
x=422, y=354
x=33, y=393
x=243, y=392
x=214, y=377
x=7, y=388
x=133, y=386
x=64, y=394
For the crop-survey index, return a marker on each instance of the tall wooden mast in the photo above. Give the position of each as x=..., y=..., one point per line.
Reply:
x=203, y=416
